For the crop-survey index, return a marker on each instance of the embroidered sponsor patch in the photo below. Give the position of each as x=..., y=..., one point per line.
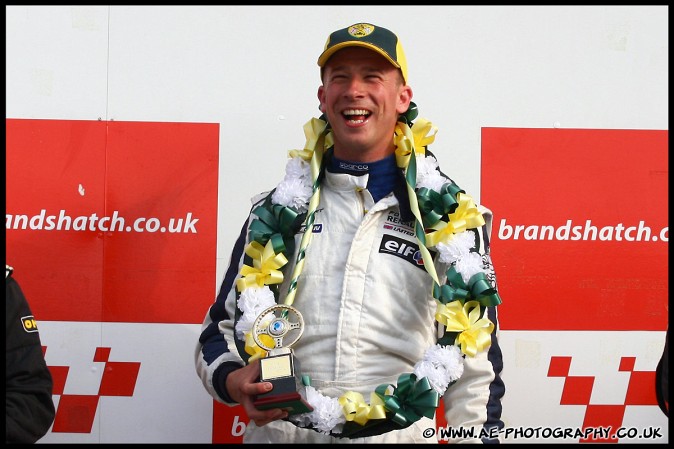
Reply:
x=316, y=228
x=404, y=249
x=394, y=223
x=397, y=228
x=29, y=324
x=351, y=167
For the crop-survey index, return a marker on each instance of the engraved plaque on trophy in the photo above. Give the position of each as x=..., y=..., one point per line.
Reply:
x=285, y=326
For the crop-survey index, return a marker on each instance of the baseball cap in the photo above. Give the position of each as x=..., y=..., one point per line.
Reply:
x=366, y=35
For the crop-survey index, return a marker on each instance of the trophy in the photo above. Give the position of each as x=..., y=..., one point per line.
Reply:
x=280, y=366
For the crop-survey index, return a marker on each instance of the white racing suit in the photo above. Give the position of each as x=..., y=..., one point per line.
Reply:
x=368, y=310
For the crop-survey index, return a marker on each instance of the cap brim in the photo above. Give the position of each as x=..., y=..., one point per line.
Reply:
x=323, y=58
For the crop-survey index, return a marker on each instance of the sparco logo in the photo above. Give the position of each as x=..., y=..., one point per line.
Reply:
x=355, y=167
x=402, y=248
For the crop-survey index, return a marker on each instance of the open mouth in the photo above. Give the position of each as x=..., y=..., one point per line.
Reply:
x=356, y=116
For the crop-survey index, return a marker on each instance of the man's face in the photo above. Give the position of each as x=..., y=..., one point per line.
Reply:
x=362, y=95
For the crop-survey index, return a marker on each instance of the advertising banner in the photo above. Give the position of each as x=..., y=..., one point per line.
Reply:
x=111, y=229
x=580, y=247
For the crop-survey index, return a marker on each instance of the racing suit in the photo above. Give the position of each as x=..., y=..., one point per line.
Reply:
x=369, y=316
x=28, y=382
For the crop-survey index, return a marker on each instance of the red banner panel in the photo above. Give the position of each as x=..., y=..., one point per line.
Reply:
x=580, y=231
x=113, y=221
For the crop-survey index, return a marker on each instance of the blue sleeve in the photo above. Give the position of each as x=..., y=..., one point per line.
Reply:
x=212, y=342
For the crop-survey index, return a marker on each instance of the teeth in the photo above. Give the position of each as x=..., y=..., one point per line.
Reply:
x=355, y=112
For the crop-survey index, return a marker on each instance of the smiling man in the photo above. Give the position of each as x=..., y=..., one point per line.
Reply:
x=380, y=264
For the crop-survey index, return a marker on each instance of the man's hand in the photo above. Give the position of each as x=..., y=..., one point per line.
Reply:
x=242, y=386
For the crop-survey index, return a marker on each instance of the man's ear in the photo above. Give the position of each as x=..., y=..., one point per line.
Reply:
x=404, y=99
x=321, y=95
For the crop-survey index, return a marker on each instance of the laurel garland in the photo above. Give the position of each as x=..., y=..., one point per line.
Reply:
x=446, y=219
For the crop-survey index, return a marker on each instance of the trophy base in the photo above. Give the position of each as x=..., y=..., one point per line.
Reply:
x=293, y=403
x=279, y=369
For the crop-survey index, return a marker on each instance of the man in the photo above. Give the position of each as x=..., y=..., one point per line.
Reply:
x=368, y=243
x=28, y=382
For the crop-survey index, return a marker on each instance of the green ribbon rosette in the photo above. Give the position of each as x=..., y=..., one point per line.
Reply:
x=479, y=289
x=434, y=205
x=274, y=219
x=411, y=399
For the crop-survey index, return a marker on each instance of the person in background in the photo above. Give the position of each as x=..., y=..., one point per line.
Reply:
x=662, y=378
x=379, y=258
x=28, y=382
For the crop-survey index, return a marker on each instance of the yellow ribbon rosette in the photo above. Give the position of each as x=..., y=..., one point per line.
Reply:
x=312, y=131
x=357, y=410
x=304, y=154
x=252, y=348
x=403, y=143
x=465, y=318
x=421, y=130
x=265, y=269
x=417, y=138
x=466, y=216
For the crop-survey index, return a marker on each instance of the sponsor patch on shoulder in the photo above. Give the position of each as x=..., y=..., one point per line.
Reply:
x=29, y=323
